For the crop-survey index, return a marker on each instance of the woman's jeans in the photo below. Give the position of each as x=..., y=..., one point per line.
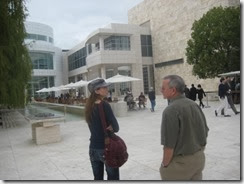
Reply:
x=97, y=162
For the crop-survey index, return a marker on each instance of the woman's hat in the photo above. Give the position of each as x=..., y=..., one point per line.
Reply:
x=98, y=83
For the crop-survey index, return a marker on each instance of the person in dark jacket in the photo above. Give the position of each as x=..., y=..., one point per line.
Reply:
x=187, y=92
x=99, y=90
x=222, y=98
x=152, y=98
x=193, y=93
x=142, y=100
x=229, y=96
x=200, y=93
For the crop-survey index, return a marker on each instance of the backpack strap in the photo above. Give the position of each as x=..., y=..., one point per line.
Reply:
x=102, y=117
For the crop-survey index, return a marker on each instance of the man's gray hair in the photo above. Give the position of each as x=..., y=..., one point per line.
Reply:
x=177, y=82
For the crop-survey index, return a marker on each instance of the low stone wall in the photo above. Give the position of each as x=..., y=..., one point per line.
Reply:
x=119, y=108
x=73, y=109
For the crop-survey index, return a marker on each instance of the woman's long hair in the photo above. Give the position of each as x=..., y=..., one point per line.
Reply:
x=90, y=104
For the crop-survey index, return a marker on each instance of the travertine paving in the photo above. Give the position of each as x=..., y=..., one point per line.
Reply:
x=22, y=159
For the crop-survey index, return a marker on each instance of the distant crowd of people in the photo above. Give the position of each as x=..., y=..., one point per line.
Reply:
x=194, y=92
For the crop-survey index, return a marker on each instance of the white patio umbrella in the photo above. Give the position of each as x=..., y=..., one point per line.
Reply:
x=70, y=85
x=121, y=78
x=59, y=88
x=95, y=79
x=62, y=88
x=52, y=89
x=80, y=83
x=43, y=90
x=230, y=73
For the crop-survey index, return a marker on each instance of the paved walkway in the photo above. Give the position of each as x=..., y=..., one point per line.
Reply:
x=21, y=159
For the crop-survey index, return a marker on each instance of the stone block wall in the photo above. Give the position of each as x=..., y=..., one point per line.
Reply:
x=170, y=24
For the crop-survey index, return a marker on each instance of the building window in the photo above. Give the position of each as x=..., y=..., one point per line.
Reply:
x=146, y=46
x=117, y=43
x=39, y=82
x=79, y=77
x=97, y=46
x=37, y=37
x=50, y=39
x=77, y=59
x=43, y=61
x=72, y=79
x=89, y=48
x=145, y=79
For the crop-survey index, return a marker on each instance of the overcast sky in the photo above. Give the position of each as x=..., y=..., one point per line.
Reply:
x=73, y=20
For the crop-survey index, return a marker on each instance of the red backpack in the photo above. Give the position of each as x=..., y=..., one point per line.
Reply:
x=115, y=151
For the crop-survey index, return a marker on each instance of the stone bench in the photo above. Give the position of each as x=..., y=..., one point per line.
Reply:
x=45, y=130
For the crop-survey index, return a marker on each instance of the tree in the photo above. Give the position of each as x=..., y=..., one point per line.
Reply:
x=15, y=63
x=214, y=46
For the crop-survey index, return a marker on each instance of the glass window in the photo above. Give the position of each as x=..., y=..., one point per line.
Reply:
x=89, y=48
x=41, y=60
x=144, y=51
x=145, y=79
x=117, y=43
x=146, y=46
x=77, y=59
x=50, y=39
x=72, y=79
x=97, y=46
x=39, y=82
x=41, y=37
x=38, y=37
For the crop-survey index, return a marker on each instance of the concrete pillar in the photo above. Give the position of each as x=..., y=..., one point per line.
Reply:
x=101, y=43
x=93, y=48
x=87, y=50
x=86, y=88
x=137, y=86
x=103, y=72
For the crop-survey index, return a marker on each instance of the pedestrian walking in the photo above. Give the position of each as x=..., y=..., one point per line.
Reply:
x=200, y=93
x=184, y=134
x=99, y=90
x=229, y=96
x=193, y=93
x=222, y=92
x=152, y=98
x=187, y=92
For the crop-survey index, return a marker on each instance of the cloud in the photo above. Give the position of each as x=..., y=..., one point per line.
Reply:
x=73, y=20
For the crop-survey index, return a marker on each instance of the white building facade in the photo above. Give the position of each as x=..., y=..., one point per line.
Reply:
x=46, y=59
x=116, y=49
x=150, y=47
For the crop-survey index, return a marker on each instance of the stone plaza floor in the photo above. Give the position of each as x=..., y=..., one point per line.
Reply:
x=22, y=159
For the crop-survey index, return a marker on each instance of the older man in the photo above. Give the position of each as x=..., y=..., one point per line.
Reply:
x=183, y=133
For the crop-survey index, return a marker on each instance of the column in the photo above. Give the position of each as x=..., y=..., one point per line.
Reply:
x=86, y=88
x=137, y=86
x=101, y=43
x=103, y=72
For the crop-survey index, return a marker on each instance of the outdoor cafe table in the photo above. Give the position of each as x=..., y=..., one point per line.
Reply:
x=45, y=129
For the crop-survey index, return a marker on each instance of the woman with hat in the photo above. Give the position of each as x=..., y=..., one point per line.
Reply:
x=99, y=90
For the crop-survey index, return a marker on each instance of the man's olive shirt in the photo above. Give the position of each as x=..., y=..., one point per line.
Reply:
x=184, y=126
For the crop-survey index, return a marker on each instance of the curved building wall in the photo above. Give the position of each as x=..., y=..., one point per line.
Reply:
x=46, y=58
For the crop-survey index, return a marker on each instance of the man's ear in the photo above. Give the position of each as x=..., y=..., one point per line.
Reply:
x=174, y=91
